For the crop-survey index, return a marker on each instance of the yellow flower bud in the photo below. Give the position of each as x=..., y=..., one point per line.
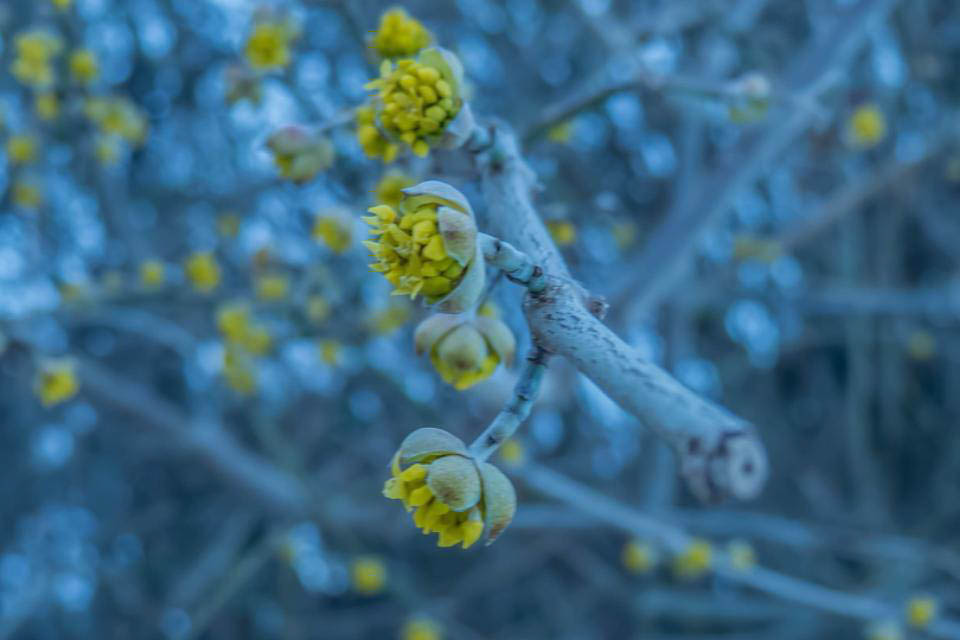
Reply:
x=920, y=611
x=298, y=154
x=464, y=351
x=27, y=194
x=563, y=232
x=268, y=46
x=866, y=128
x=152, y=273
x=390, y=188
x=22, y=149
x=449, y=492
x=56, y=381
x=694, y=561
x=428, y=246
x=272, y=287
x=421, y=628
x=399, y=35
x=368, y=575
x=83, y=66
x=639, y=556
x=202, y=271
x=46, y=106
x=741, y=555
x=334, y=229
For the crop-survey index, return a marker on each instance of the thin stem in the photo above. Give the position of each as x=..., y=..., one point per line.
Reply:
x=515, y=264
x=517, y=409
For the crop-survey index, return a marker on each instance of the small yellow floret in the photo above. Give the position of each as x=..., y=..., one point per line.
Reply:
x=639, y=556
x=84, y=68
x=268, y=46
x=741, y=554
x=421, y=628
x=273, y=287
x=513, y=452
x=399, y=35
x=202, y=271
x=46, y=106
x=335, y=231
x=867, y=127
x=920, y=611
x=56, y=382
x=563, y=232
x=694, y=561
x=22, y=149
x=390, y=188
x=152, y=273
x=368, y=575
x=26, y=194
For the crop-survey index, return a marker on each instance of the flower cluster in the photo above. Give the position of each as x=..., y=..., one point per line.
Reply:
x=117, y=116
x=202, y=271
x=428, y=246
x=334, y=229
x=418, y=101
x=450, y=492
x=399, y=34
x=84, y=68
x=464, y=350
x=36, y=52
x=245, y=341
x=373, y=142
x=694, y=561
x=268, y=46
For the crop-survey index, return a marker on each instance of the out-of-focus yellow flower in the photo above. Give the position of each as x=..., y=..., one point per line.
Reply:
x=233, y=321
x=884, y=630
x=867, y=127
x=454, y=494
x=22, y=149
x=26, y=194
x=152, y=274
x=921, y=345
x=464, y=350
x=751, y=247
x=390, y=188
x=419, y=101
x=202, y=271
x=56, y=381
x=228, y=225
x=298, y=154
x=560, y=133
x=373, y=142
x=317, y=309
x=272, y=287
x=239, y=371
x=62, y=5
x=268, y=46
x=106, y=149
x=694, y=561
x=513, y=453
x=399, y=34
x=421, y=628
x=920, y=611
x=429, y=247
x=46, y=106
x=389, y=319
x=83, y=65
x=639, y=556
x=335, y=230
x=330, y=351
x=368, y=575
x=563, y=232
x=33, y=65
x=741, y=554
x=118, y=115
x=257, y=340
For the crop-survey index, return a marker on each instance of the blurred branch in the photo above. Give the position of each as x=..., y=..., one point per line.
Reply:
x=675, y=540
x=667, y=254
x=720, y=454
x=205, y=438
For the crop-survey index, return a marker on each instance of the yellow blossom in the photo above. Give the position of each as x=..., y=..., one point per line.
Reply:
x=448, y=491
x=233, y=321
x=83, y=65
x=741, y=555
x=867, y=127
x=464, y=350
x=373, y=142
x=26, y=194
x=272, y=287
x=33, y=65
x=62, y=5
x=257, y=340
x=56, y=381
x=639, y=556
x=399, y=35
x=152, y=273
x=22, y=149
x=268, y=46
x=512, y=452
x=694, y=561
x=418, y=99
x=203, y=271
x=334, y=230
x=921, y=345
x=317, y=309
x=330, y=351
x=368, y=575
x=563, y=232
x=117, y=115
x=390, y=188
x=421, y=628
x=427, y=246
x=920, y=611
x=46, y=106
x=560, y=133
x=239, y=372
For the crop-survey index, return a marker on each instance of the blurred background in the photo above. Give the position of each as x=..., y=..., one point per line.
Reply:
x=201, y=383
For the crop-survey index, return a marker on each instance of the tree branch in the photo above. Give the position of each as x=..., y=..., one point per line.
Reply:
x=720, y=454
